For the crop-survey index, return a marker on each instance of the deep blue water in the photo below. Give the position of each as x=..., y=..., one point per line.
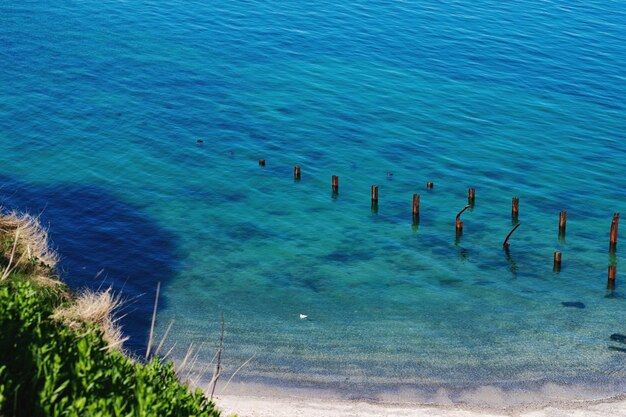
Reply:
x=101, y=105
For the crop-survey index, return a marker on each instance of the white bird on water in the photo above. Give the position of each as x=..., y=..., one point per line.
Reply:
x=303, y=316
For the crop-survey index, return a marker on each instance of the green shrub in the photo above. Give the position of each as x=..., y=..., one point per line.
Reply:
x=48, y=369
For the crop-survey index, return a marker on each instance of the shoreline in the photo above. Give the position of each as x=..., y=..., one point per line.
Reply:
x=486, y=398
x=314, y=406
x=257, y=400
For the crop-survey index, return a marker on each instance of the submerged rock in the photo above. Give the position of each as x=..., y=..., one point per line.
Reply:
x=575, y=304
x=619, y=349
x=618, y=337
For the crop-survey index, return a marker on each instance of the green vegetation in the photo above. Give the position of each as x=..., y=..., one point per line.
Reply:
x=55, y=361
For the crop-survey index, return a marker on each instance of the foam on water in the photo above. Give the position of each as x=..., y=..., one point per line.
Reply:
x=101, y=104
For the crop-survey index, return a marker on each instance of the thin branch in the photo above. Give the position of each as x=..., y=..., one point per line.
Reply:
x=235, y=373
x=218, y=367
x=193, y=361
x=156, y=302
x=169, y=351
x=156, y=353
x=204, y=369
x=117, y=343
x=184, y=362
x=8, y=269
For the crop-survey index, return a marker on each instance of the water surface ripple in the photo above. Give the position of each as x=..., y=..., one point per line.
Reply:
x=101, y=104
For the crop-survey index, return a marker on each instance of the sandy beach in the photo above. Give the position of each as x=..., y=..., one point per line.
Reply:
x=245, y=406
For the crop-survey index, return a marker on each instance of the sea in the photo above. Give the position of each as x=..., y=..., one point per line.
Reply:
x=134, y=130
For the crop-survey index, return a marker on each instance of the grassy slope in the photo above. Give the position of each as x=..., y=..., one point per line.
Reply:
x=50, y=369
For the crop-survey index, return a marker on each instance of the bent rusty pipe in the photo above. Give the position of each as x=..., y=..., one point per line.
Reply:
x=505, y=245
x=459, y=223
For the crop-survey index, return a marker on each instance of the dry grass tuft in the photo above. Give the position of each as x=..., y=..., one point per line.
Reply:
x=24, y=247
x=91, y=307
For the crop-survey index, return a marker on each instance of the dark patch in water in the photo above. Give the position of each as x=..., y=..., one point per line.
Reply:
x=233, y=197
x=198, y=192
x=391, y=247
x=307, y=279
x=615, y=295
x=278, y=212
x=618, y=349
x=247, y=231
x=392, y=154
x=347, y=256
x=442, y=251
x=451, y=282
x=238, y=265
x=285, y=110
x=257, y=137
x=574, y=304
x=92, y=230
x=311, y=284
x=618, y=337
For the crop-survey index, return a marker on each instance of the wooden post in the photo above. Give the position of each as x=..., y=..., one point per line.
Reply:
x=562, y=220
x=505, y=245
x=262, y=162
x=374, y=199
x=335, y=183
x=471, y=196
x=515, y=208
x=416, y=211
x=612, y=275
x=375, y=193
x=613, y=234
x=296, y=172
x=557, y=262
x=429, y=185
x=416, y=205
x=562, y=223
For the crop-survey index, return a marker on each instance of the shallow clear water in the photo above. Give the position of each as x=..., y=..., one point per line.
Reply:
x=101, y=104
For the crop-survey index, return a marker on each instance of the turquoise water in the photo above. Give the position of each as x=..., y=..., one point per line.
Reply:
x=101, y=105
